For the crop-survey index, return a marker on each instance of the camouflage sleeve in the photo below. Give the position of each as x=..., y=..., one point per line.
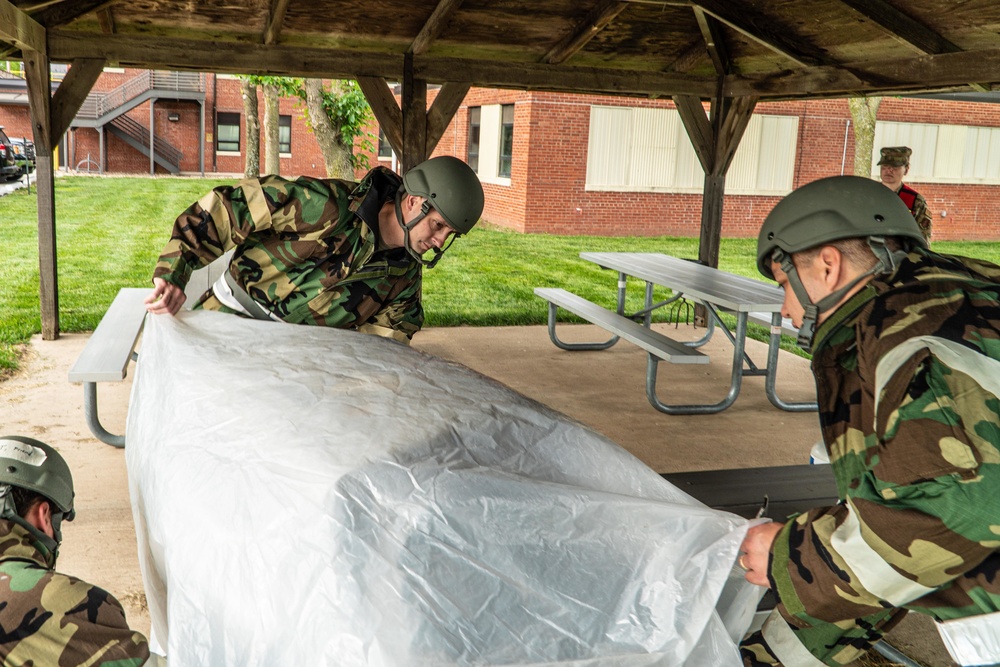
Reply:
x=403, y=316
x=228, y=215
x=925, y=509
x=922, y=215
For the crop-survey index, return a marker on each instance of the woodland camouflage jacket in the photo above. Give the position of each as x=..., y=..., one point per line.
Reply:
x=306, y=250
x=908, y=382
x=48, y=618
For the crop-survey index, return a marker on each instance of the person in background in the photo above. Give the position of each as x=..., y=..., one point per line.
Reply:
x=324, y=252
x=895, y=164
x=49, y=618
x=905, y=349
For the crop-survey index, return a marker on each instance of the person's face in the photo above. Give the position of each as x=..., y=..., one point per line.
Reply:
x=811, y=273
x=892, y=177
x=431, y=232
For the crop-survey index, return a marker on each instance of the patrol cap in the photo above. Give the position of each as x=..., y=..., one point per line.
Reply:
x=830, y=209
x=895, y=156
x=451, y=187
x=31, y=464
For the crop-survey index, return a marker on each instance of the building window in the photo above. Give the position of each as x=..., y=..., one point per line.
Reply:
x=384, y=147
x=227, y=134
x=506, y=140
x=475, y=116
x=943, y=153
x=285, y=135
x=640, y=149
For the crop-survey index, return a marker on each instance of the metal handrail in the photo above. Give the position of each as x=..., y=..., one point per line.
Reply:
x=99, y=104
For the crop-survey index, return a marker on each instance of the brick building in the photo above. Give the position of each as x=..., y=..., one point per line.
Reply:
x=575, y=164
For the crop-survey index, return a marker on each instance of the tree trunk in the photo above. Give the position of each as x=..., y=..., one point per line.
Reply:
x=272, y=162
x=863, y=112
x=336, y=156
x=251, y=166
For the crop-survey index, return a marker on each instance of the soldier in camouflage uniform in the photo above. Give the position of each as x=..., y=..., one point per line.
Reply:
x=906, y=354
x=48, y=618
x=324, y=252
x=895, y=164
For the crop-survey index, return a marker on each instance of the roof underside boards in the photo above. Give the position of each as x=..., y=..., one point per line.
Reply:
x=761, y=48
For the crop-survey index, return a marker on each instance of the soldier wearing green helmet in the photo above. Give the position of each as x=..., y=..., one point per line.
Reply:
x=325, y=252
x=48, y=618
x=906, y=355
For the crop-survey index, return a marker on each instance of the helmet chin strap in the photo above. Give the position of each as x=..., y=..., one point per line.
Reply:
x=887, y=263
x=425, y=208
x=8, y=511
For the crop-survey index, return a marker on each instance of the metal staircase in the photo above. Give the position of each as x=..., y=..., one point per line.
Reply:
x=107, y=110
x=136, y=135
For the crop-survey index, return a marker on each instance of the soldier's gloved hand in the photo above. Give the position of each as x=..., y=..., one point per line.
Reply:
x=165, y=298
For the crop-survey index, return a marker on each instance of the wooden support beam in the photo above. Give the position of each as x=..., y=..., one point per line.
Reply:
x=596, y=20
x=414, y=108
x=699, y=130
x=385, y=108
x=730, y=134
x=19, y=29
x=442, y=110
x=715, y=43
x=275, y=19
x=689, y=57
x=72, y=92
x=434, y=25
x=36, y=70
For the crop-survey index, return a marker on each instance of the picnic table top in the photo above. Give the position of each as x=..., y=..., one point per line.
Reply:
x=728, y=290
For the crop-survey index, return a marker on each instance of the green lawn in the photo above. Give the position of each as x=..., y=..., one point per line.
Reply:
x=110, y=231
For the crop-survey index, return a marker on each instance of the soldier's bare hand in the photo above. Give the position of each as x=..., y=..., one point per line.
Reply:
x=755, y=550
x=165, y=298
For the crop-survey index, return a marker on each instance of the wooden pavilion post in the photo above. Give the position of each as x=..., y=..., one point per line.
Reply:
x=715, y=139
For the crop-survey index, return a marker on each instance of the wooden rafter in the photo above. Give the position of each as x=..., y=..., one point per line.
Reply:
x=19, y=29
x=437, y=22
x=275, y=19
x=711, y=32
x=64, y=12
x=906, y=29
x=764, y=30
x=689, y=57
x=596, y=20
x=107, y=20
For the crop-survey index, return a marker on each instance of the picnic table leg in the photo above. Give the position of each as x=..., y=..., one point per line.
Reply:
x=562, y=345
x=90, y=410
x=739, y=345
x=770, y=388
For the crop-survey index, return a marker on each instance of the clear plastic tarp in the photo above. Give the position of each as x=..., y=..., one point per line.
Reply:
x=311, y=496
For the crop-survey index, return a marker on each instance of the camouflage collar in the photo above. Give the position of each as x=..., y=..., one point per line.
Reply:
x=16, y=543
x=846, y=312
x=377, y=187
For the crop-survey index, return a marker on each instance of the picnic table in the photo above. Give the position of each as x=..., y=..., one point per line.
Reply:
x=719, y=291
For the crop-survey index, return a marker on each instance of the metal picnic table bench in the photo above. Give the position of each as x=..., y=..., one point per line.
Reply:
x=748, y=299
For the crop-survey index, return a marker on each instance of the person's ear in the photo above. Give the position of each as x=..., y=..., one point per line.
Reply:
x=39, y=515
x=831, y=263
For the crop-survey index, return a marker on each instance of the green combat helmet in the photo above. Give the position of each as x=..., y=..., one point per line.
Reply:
x=29, y=464
x=827, y=210
x=452, y=188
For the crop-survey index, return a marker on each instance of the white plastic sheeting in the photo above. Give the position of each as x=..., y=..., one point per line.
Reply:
x=308, y=496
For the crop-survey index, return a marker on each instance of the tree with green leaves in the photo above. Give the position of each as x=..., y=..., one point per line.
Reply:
x=337, y=116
